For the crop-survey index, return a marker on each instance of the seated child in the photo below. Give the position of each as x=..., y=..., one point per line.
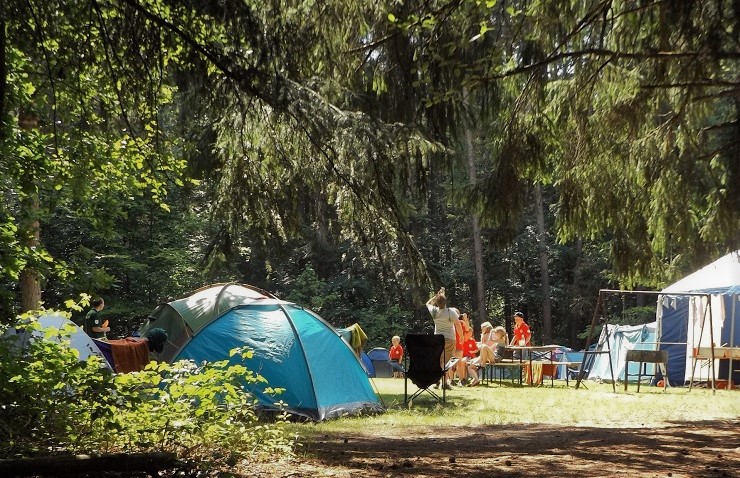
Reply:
x=469, y=352
x=488, y=354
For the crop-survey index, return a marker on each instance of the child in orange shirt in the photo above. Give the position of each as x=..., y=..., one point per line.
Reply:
x=395, y=354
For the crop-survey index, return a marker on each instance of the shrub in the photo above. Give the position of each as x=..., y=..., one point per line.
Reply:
x=53, y=402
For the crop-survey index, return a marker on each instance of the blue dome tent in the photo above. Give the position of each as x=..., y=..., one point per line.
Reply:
x=381, y=362
x=367, y=364
x=294, y=349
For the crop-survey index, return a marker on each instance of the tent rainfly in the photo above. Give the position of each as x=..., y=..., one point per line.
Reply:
x=294, y=349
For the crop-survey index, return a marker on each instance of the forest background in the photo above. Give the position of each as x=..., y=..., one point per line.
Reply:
x=354, y=156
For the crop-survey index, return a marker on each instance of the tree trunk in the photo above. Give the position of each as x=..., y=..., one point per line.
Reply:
x=574, y=319
x=3, y=67
x=73, y=465
x=544, y=266
x=480, y=286
x=29, y=230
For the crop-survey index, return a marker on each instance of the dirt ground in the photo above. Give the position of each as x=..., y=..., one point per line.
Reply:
x=708, y=449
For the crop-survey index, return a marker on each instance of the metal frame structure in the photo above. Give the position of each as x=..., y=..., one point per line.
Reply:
x=599, y=307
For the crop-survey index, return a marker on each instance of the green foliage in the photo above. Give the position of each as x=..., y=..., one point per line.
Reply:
x=52, y=402
x=630, y=316
x=196, y=410
x=310, y=291
x=50, y=399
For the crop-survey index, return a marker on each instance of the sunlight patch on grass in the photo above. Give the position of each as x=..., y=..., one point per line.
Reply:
x=594, y=405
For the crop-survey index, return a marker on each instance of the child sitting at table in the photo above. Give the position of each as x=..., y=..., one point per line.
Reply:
x=490, y=349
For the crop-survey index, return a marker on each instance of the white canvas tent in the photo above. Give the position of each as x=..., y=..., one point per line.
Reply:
x=619, y=339
x=78, y=339
x=680, y=318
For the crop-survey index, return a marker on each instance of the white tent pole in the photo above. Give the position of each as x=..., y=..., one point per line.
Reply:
x=732, y=340
x=711, y=335
x=694, y=359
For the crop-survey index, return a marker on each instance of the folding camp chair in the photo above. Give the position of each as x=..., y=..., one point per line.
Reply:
x=424, y=370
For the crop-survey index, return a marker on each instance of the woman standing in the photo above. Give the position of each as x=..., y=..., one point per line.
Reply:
x=446, y=324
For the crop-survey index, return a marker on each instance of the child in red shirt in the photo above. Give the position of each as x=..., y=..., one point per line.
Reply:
x=470, y=351
x=395, y=354
x=522, y=334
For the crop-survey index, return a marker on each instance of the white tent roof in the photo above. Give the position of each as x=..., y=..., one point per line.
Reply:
x=722, y=273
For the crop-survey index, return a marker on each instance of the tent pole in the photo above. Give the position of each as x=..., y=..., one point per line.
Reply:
x=588, y=340
x=611, y=368
x=732, y=340
x=694, y=359
x=711, y=335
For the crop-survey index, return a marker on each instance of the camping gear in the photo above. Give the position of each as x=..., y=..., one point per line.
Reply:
x=294, y=349
x=423, y=352
x=183, y=318
x=685, y=322
x=381, y=362
x=131, y=354
x=355, y=337
x=125, y=355
x=367, y=364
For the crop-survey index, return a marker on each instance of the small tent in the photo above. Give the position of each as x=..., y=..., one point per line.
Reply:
x=381, y=362
x=367, y=364
x=78, y=339
x=619, y=339
x=294, y=349
x=686, y=322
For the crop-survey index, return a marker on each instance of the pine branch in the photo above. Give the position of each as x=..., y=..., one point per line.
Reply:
x=616, y=55
x=691, y=84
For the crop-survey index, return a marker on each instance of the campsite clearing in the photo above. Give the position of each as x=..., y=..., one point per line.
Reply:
x=525, y=431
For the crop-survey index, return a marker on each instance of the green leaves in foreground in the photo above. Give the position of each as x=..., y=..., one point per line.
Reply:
x=52, y=402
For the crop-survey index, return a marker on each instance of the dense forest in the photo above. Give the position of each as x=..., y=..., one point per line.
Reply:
x=353, y=156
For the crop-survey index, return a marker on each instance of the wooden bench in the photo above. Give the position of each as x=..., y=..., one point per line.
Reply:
x=490, y=369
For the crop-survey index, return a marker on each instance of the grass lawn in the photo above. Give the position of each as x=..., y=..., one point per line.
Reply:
x=593, y=404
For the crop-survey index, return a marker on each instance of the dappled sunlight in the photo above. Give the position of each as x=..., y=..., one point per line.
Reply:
x=704, y=448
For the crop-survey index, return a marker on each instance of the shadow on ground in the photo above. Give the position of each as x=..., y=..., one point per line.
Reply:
x=699, y=449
